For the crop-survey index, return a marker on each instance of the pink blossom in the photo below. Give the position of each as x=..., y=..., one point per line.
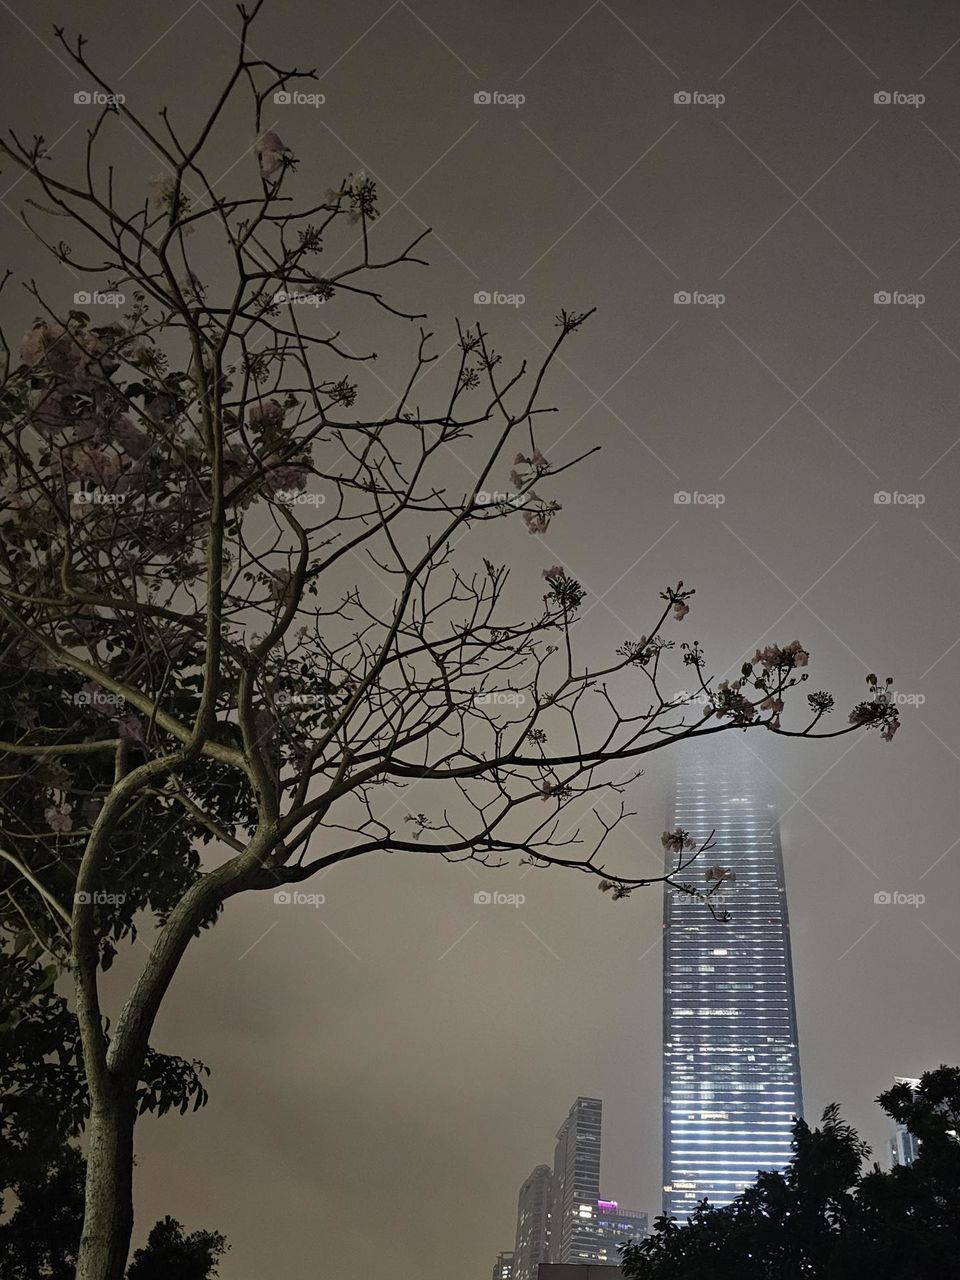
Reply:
x=265, y=413
x=52, y=345
x=677, y=841
x=680, y=609
x=272, y=153
x=888, y=730
x=791, y=655
x=554, y=574
x=286, y=478
x=59, y=817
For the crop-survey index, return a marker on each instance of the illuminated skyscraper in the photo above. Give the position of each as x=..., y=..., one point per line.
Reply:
x=614, y=1227
x=503, y=1267
x=576, y=1183
x=731, y=1064
x=533, y=1224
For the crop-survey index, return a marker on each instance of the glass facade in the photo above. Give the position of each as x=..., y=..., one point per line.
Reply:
x=533, y=1224
x=614, y=1227
x=731, y=1063
x=503, y=1267
x=576, y=1183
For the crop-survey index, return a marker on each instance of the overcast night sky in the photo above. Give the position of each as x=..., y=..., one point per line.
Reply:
x=387, y=1070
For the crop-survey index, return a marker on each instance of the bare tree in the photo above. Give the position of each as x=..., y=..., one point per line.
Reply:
x=202, y=701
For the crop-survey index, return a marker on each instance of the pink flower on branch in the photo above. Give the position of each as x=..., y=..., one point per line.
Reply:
x=59, y=817
x=272, y=154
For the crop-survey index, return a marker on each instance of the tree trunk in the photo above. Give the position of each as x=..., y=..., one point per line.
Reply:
x=108, y=1207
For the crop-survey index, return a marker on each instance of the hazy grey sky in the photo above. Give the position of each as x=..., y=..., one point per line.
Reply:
x=387, y=1070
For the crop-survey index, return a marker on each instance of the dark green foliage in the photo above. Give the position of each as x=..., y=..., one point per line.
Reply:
x=822, y=1219
x=45, y=1104
x=169, y=1252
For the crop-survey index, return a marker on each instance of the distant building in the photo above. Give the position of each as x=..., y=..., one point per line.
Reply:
x=614, y=1227
x=565, y=1229
x=576, y=1183
x=731, y=1063
x=533, y=1224
x=503, y=1267
x=904, y=1145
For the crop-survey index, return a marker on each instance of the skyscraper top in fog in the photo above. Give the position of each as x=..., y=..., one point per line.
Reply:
x=731, y=1064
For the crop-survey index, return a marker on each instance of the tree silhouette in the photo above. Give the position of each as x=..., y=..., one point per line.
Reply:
x=237, y=604
x=825, y=1219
